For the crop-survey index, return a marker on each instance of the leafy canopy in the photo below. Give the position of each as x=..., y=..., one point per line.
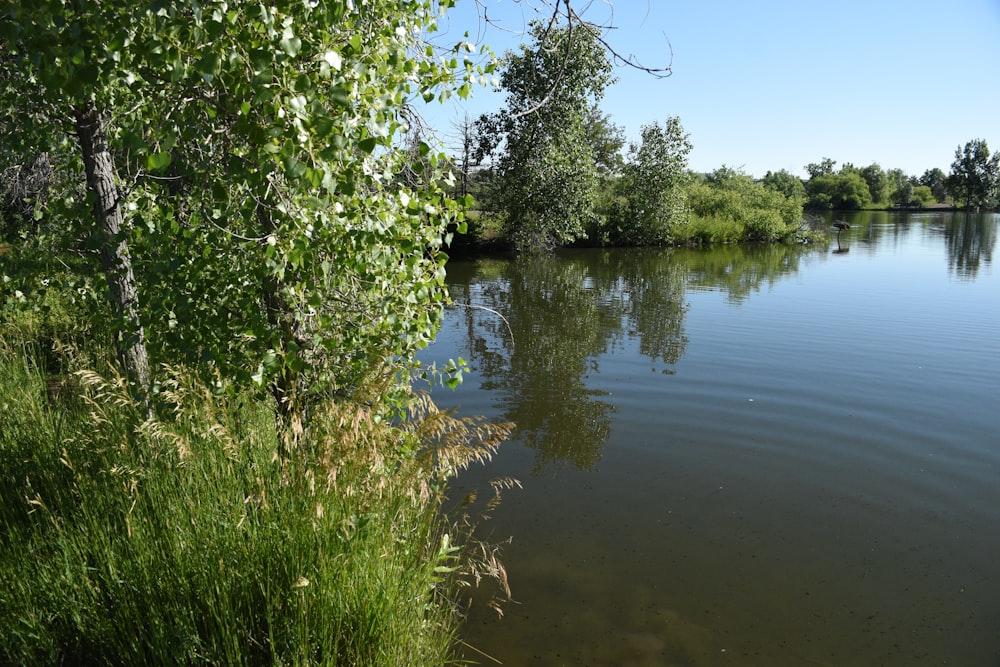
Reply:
x=257, y=149
x=975, y=175
x=650, y=200
x=550, y=137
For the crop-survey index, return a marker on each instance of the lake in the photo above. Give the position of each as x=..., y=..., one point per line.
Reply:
x=774, y=455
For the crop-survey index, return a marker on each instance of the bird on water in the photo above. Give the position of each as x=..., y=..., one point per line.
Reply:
x=841, y=225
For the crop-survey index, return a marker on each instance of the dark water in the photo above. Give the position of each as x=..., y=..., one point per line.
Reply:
x=743, y=456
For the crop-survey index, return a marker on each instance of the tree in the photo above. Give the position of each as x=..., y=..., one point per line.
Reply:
x=547, y=173
x=57, y=55
x=975, y=175
x=116, y=261
x=878, y=182
x=823, y=168
x=922, y=195
x=901, y=187
x=606, y=140
x=786, y=183
x=935, y=180
x=843, y=191
x=650, y=201
x=467, y=141
x=244, y=162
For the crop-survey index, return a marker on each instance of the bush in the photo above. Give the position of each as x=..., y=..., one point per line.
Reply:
x=751, y=211
x=922, y=196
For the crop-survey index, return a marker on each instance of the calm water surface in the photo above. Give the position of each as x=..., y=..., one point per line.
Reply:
x=743, y=456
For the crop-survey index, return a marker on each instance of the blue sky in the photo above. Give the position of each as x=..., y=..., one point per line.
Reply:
x=778, y=84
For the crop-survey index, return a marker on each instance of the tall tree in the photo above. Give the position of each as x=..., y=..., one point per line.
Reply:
x=466, y=129
x=901, y=187
x=547, y=173
x=116, y=261
x=55, y=69
x=878, y=182
x=651, y=198
x=975, y=175
x=606, y=140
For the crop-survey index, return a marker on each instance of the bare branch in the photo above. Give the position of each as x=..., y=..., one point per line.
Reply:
x=564, y=11
x=472, y=306
x=572, y=16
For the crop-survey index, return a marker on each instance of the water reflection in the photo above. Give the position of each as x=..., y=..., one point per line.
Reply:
x=970, y=238
x=537, y=372
x=816, y=484
x=561, y=314
x=741, y=270
x=607, y=300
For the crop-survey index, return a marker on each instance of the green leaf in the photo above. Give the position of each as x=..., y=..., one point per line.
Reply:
x=367, y=144
x=208, y=66
x=323, y=127
x=340, y=96
x=303, y=83
x=289, y=43
x=158, y=161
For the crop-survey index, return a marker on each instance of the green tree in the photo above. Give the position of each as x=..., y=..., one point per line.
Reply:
x=844, y=191
x=935, y=180
x=243, y=165
x=786, y=183
x=547, y=167
x=822, y=168
x=878, y=182
x=650, y=193
x=606, y=140
x=975, y=175
x=901, y=187
x=922, y=195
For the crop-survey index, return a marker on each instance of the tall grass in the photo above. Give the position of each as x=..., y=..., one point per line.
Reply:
x=185, y=540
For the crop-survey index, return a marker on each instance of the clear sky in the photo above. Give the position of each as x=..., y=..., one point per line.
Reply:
x=778, y=84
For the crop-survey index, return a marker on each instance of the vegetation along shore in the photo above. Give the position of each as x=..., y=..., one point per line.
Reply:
x=224, y=242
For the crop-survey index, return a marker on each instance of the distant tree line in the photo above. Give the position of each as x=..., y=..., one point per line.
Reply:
x=974, y=182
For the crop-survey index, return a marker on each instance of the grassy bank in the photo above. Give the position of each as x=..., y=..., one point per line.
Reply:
x=185, y=540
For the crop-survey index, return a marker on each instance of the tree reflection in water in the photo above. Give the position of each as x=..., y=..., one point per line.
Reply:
x=970, y=238
x=564, y=312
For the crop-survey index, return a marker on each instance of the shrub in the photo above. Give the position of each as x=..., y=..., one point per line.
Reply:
x=753, y=211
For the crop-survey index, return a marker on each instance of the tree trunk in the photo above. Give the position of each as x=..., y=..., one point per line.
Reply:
x=286, y=387
x=115, y=260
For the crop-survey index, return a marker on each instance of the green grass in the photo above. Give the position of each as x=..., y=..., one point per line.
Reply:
x=186, y=541
x=706, y=230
